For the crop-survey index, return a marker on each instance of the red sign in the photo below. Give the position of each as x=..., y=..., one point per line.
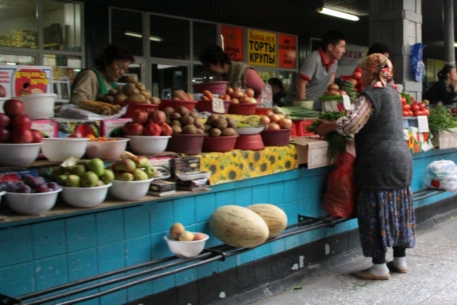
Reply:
x=28, y=81
x=287, y=51
x=233, y=42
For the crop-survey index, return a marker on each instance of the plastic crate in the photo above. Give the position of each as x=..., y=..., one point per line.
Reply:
x=299, y=128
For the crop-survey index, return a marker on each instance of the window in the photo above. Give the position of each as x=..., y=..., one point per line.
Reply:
x=204, y=34
x=19, y=24
x=168, y=78
x=127, y=30
x=169, y=37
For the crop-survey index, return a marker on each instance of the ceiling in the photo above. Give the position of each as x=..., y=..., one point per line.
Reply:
x=293, y=16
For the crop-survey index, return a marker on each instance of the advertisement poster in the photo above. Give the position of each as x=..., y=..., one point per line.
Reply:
x=233, y=42
x=287, y=51
x=262, y=48
x=351, y=59
x=23, y=80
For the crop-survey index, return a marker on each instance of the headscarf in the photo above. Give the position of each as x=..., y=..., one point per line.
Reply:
x=381, y=66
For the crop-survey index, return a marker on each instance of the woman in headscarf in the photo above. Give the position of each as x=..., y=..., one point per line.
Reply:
x=382, y=170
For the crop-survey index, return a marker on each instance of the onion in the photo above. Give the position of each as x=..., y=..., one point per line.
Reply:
x=333, y=87
x=252, y=100
x=274, y=118
x=264, y=120
x=273, y=126
x=285, y=123
x=342, y=92
x=229, y=91
x=249, y=92
x=268, y=113
x=245, y=100
x=332, y=92
x=235, y=100
x=237, y=94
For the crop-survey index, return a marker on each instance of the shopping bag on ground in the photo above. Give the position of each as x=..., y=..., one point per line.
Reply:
x=441, y=174
x=340, y=196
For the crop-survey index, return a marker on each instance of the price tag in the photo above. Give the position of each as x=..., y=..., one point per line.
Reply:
x=422, y=123
x=218, y=105
x=347, y=102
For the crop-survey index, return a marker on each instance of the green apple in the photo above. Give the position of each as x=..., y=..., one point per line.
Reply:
x=62, y=180
x=100, y=183
x=89, y=179
x=142, y=161
x=73, y=181
x=125, y=165
x=151, y=171
x=97, y=166
x=78, y=170
x=139, y=174
x=107, y=176
x=123, y=176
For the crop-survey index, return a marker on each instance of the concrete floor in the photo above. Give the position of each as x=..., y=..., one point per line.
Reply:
x=431, y=277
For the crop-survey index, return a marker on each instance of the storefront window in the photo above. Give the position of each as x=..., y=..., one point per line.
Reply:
x=204, y=34
x=19, y=24
x=200, y=74
x=64, y=70
x=7, y=59
x=168, y=78
x=61, y=26
x=169, y=37
x=127, y=30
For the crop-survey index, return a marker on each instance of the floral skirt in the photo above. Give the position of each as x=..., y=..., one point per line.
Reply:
x=386, y=219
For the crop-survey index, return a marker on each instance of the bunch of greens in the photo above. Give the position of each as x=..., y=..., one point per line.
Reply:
x=296, y=113
x=336, y=141
x=440, y=119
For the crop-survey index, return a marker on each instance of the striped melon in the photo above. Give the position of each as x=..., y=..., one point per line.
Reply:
x=274, y=217
x=238, y=227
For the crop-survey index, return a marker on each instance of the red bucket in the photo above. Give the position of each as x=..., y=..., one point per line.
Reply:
x=175, y=104
x=208, y=106
x=243, y=108
x=249, y=142
x=132, y=107
x=261, y=111
x=189, y=144
x=276, y=137
x=219, y=144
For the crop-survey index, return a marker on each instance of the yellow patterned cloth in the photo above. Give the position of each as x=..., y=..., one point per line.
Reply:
x=243, y=164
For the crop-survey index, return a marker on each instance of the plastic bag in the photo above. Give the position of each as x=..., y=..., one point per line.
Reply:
x=416, y=61
x=340, y=196
x=441, y=174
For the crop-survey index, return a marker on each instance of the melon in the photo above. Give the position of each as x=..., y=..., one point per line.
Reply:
x=238, y=226
x=274, y=217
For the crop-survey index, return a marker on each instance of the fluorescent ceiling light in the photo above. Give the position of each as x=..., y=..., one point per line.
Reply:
x=133, y=34
x=333, y=13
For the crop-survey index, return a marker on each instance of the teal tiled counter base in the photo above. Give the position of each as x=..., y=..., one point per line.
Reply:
x=52, y=251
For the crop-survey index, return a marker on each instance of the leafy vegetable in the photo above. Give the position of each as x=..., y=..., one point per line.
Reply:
x=409, y=101
x=440, y=119
x=296, y=113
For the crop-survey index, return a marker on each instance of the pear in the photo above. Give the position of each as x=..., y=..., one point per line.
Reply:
x=126, y=165
x=97, y=166
x=62, y=180
x=139, y=174
x=175, y=230
x=89, y=179
x=151, y=171
x=73, y=181
x=100, y=183
x=78, y=170
x=123, y=176
x=107, y=176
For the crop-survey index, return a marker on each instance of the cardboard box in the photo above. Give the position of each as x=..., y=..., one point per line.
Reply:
x=23, y=80
x=80, y=128
x=445, y=139
x=162, y=188
x=185, y=165
x=112, y=128
x=311, y=151
x=47, y=128
x=417, y=141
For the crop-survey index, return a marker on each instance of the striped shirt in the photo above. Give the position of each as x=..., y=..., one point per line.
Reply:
x=357, y=118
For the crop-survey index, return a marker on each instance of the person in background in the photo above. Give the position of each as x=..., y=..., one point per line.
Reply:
x=110, y=65
x=444, y=91
x=385, y=208
x=377, y=47
x=318, y=70
x=237, y=74
x=278, y=91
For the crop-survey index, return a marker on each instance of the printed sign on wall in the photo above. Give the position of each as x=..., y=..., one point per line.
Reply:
x=287, y=51
x=233, y=42
x=23, y=80
x=261, y=48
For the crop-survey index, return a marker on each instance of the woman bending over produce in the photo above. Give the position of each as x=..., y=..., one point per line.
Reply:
x=110, y=66
x=382, y=170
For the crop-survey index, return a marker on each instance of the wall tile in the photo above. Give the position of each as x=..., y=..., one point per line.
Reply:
x=110, y=227
x=187, y=276
x=81, y=232
x=262, y=251
x=276, y=193
x=243, y=197
x=225, y=198
x=138, y=250
x=115, y=298
x=15, y=246
x=82, y=264
x=245, y=257
x=111, y=257
x=161, y=216
x=164, y=283
x=184, y=211
x=49, y=238
x=205, y=206
x=136, y=222
x=17, y=280
x=260, y=194
x=159, y=248
x=51, y=272
x=291, y=191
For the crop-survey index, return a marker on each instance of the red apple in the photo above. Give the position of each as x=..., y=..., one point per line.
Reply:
x=37, y=136
x=21, y=120
x=13, y=107
x=4, y=135
x=152, y=129
x=133, y=129
x=140, y=117
x=21, y=135
x=4, y=120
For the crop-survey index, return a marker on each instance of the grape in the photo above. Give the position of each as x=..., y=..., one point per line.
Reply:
x=11, y=186
x=54, y=186
x=24, y=189
x=43, y=188
x=34, y=182
x=27, y=177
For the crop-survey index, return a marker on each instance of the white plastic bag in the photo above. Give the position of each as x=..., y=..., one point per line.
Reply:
x=442, y=174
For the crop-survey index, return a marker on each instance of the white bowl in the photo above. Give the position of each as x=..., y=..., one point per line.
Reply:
x=38, y=105
x=18, y=154
x=186, y=248
x=106, y=150
x=31, y=203
x=1, y=195
x=60, y=149
x=130, y=190
x=148, y=145
x=250, y=130
x=84, y=197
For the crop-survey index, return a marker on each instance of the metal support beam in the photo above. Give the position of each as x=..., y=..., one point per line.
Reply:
x=448, y=27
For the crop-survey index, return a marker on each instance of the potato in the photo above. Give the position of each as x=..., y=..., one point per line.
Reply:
x=189, y=129
x=200, y=131
x=120, y=98
x=207, y=127
x=176, y=129
x=131, y=79
x=187, y=120
x=136, y=98
x=176, y=122
x=220, y=123
x=155, y=100
x=109, y=99
x=231, y=123
x=100, y=97
x=169, y=111
x=183, y=110
x=229, y=132
x=212, y=118
x=199, y=125
x=215, y=132
x=130, y=89
x=140, y=86
x=146, y=93
x=175, y=115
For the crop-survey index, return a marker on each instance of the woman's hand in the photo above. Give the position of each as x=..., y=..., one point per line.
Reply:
x=325, y=127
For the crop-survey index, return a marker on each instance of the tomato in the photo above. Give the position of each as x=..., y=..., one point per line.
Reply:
x=418, y=113
x=357, y=75
x=421, y=106
x=414, y=107
x=405, y=113
x=410, y=113
x=403, y=100
x=406, y=107
x=426, y=112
